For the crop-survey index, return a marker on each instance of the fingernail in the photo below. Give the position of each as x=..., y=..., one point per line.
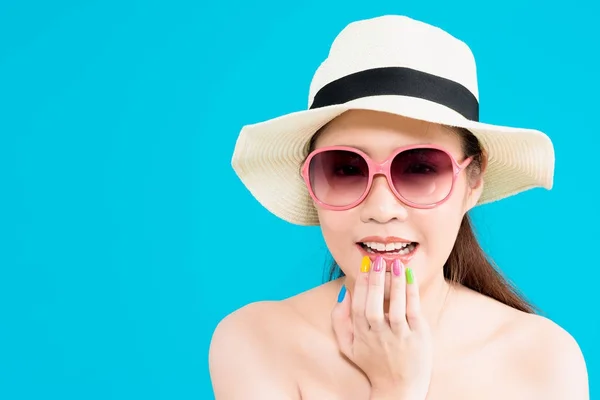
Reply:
x=378, y=266
x=366, y=264
x=397, y=267
x=342, y=294
x=409, y=276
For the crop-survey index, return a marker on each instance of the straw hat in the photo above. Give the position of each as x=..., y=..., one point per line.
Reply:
x=398, y=65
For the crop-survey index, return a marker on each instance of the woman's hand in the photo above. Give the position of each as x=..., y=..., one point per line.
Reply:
x=394, y=351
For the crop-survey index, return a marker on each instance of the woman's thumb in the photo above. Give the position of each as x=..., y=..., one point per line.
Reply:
x=341, y=321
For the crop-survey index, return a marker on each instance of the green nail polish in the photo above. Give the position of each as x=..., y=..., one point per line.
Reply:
x=409, y=276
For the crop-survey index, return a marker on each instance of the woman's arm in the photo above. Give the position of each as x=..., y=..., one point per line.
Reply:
x=244, y=366
x=565, y=368
x=558, y=369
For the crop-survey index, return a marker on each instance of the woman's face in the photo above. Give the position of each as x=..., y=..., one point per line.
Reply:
x=382, y=214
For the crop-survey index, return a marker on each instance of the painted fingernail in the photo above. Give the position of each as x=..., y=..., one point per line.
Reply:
x=342, y=294
x=378, y=266
x=409, y=276
x=397, y=267
x=366, y=264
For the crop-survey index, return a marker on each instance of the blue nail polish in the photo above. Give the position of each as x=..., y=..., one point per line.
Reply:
x=342, y=294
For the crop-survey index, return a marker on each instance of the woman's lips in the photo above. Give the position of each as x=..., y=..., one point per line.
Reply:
x=389, y=258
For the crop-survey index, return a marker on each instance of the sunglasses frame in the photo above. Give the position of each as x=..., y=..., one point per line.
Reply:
x=382, y=168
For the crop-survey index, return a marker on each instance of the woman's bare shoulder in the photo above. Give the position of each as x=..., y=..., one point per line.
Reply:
x=256, y=347
x=547, y=357
x=257, y=323
x=246, y=359
x=553, y=356
x=251, y=318
x=530, y=348
x=268, y=318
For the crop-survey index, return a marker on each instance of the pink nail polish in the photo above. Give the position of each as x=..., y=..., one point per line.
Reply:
x=378, y=264
x=397, y=267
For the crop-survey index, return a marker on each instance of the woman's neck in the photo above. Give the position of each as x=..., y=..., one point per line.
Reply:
x=433, y=295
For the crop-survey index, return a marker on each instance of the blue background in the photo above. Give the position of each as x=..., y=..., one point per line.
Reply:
x=125, y=235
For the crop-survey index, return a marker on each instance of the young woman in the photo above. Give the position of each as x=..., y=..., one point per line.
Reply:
x=388, y=160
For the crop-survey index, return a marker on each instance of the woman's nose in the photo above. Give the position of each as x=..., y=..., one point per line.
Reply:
x=381, y=205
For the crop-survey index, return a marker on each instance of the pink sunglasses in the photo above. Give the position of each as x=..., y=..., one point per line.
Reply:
x=421, y=176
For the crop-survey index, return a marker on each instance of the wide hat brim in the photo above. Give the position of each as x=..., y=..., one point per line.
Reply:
x=268, y=155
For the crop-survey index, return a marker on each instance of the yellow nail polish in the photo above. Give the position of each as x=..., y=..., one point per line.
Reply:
x=366, y=264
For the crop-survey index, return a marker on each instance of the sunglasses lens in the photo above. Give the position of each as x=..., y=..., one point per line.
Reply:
x=422, y=176
x=338, y=177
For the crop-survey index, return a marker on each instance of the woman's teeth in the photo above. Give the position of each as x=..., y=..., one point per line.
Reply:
x=390, y=248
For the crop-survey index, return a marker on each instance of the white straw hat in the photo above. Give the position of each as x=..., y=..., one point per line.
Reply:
x=391, y=64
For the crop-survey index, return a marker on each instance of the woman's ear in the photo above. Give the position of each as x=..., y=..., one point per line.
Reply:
x=475, y=173
x=474, y=192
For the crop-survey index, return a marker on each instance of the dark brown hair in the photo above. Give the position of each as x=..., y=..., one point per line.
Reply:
x=468, y=264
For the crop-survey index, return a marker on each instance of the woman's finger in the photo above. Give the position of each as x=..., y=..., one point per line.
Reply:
x=397, y=313
x=341, y=321
x=359, y=296
x=413, y=301
x=374, y=304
